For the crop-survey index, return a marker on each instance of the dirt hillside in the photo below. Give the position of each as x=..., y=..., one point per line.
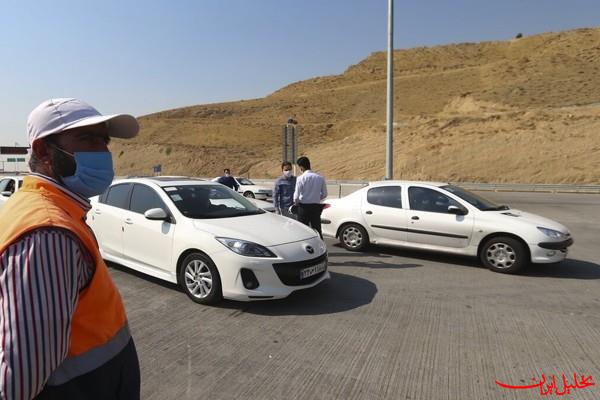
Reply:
x=524, y=110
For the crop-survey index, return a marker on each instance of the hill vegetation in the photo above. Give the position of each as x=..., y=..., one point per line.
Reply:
x=523, y=110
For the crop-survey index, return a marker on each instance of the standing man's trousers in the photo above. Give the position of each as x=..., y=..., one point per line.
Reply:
x=310, y=214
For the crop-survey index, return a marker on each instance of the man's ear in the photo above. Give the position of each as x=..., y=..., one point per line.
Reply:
x=41, y=150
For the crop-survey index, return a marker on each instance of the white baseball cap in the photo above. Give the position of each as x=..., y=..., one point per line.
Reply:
x=57, y=115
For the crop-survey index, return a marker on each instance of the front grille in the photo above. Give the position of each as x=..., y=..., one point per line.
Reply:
x=557, y=245
x=289, y=273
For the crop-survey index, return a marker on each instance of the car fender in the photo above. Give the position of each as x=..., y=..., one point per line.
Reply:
x=522, y=230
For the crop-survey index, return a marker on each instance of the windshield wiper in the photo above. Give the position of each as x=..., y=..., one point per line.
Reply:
x=244, y=213
x=497, y=208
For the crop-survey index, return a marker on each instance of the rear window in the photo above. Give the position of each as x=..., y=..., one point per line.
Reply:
x=3, y=184
x=118, y=196
x=385, y=196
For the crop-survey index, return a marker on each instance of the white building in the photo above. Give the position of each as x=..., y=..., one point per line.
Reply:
x=14, y=159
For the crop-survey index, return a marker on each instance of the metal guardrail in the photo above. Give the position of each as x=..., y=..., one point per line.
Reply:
x=549, y=188
x=345, y=187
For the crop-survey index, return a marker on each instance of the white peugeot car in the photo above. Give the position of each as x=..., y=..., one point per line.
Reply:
x=447, y=218
x=208, y=239
x=251, y=189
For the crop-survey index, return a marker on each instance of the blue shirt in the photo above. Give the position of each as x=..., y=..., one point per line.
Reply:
x=283, y=193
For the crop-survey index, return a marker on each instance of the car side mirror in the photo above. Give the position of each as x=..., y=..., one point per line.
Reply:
x=457, y=210
x=6, y=193
x=156, y=214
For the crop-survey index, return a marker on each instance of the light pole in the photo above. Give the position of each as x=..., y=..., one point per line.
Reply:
x=389, y=161
x=290, y=142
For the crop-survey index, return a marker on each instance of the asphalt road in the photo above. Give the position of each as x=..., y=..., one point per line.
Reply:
x=390, y=324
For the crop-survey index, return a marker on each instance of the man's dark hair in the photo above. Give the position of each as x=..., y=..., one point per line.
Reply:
x=62, y=163
x=286, y=164
x=303, y=162
x=226, y=170
x=34, y=162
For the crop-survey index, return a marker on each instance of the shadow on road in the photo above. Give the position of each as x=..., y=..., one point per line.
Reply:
x=341, y=293
x=569, y=269
x=383, y=252
x=372, y=264
x=137, y=274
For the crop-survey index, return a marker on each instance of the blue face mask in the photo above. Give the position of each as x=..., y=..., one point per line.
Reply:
x=93, y=173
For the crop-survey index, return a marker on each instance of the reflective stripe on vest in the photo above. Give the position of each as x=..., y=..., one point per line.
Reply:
x=99, y=325
x=72, y=367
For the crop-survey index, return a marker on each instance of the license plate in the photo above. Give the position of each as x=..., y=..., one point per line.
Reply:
x=315, y=269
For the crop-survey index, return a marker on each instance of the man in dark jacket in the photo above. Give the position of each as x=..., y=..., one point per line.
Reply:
x=228, y=180
x=283, y=193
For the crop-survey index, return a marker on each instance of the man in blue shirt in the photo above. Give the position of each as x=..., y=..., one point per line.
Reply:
x=283, y=193
x=228, y=180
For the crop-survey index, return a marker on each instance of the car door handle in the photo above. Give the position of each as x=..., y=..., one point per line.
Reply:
x=369, y=212
x=128, y=221
x=415, y=217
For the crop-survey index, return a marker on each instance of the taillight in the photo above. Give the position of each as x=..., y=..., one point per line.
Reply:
x=325, y=206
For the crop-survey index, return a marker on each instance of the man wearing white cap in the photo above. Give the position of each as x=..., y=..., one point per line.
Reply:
x=63, y=327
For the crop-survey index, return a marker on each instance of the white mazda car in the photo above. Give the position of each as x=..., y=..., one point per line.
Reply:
x=210, y=240
x=446, y=218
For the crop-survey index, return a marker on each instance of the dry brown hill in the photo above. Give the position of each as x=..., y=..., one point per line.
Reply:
x=523, y=110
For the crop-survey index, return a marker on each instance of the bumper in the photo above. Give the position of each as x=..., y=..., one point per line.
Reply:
x=271, y=285
x=556, y=245
x=550, y=252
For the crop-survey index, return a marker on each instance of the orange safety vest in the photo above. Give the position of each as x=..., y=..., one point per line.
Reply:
x=99, y=329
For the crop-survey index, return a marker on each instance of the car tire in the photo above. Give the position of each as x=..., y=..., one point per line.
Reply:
x=504, y=254
x=200, y=279
x=354, y=237
x=249, y=194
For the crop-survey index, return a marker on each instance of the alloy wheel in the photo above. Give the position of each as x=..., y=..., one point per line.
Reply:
x=198, y=279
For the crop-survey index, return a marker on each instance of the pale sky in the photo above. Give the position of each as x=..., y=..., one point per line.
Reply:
x=143, y=57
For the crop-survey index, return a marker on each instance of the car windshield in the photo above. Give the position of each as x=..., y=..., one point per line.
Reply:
x=210, y=201
x=244, y=181
x=475, y=200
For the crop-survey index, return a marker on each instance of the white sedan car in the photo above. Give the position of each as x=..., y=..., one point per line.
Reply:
x=8, y=186
x=251, y=189
x=446, y=218
x=208, y=239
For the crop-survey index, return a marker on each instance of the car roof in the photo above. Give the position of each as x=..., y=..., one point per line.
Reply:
x=163, y=181
x=404, y=183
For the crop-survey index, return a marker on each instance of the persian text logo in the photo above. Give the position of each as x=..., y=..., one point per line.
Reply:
x=554, y=386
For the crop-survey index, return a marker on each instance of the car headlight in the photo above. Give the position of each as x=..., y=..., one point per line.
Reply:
x=245, y=248
x=551, y=233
